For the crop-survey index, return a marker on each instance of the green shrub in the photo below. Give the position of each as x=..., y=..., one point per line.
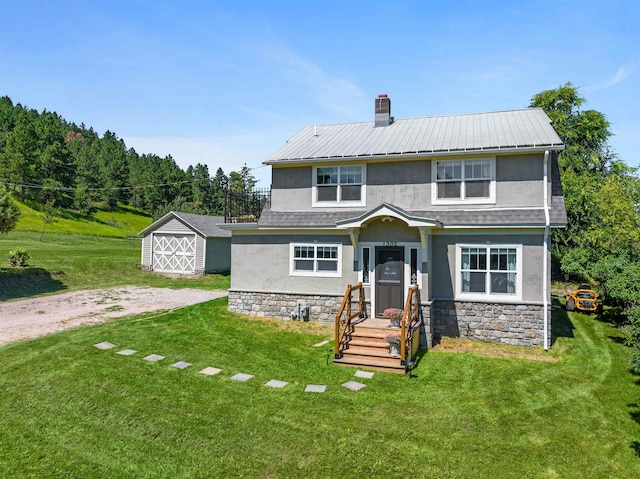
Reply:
x=18, y=257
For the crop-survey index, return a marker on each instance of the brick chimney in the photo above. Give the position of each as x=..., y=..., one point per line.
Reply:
x=383, y=111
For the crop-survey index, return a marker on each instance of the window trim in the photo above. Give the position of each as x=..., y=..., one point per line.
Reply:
x=338, y=203
x=315, y=272
x=453, y=201
x=502, y=297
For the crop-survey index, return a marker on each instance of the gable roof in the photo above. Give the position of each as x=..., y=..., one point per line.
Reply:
x=206, y=225
x=526, y=129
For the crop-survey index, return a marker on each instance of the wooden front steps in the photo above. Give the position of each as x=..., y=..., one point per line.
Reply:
x=366, y=348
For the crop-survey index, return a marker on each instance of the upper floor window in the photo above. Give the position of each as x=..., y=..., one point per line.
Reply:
x=338, y=185
x=472, y=181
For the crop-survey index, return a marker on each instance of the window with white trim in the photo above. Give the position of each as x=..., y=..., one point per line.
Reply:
x=316, y=259
x=366, y=264
x=471, y=181
x=489, y=271
x=335, y=185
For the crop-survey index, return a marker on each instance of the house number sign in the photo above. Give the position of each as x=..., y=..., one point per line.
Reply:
x=389, y=243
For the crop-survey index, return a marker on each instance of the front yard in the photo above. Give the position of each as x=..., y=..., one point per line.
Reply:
x=71, y=410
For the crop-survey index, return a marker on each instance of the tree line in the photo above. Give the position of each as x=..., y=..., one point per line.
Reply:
x=45, y=158
x=601, y=243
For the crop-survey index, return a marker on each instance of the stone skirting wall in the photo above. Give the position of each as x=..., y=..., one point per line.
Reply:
x=515, y=324
x=322, y=308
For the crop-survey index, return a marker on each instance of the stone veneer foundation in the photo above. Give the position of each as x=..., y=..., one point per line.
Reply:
x=322, y=308
x=515, y=324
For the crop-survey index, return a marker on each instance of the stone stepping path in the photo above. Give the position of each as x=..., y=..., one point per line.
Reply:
x=154, y=358
x=315, y=388
x=354, y=386
x=181, y=365
x=243, y=377
x=274, y=383
x=127, y=352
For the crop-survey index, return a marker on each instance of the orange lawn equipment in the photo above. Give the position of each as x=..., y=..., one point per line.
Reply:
x=583, y=299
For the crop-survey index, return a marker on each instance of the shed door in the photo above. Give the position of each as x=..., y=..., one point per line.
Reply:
x=174, y=253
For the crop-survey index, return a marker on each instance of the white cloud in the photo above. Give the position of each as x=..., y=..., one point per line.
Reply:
x=332, y=91
x=620, y=75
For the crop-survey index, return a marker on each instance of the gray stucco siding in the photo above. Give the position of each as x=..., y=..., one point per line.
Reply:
x=443, y=257
x=291, y=188
x=262, y=263
x=407, y=184
x=519, y=180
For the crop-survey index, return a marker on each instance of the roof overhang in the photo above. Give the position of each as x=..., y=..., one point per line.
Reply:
x=388, y=212
x=419, y=154
x=238, y=226
x=170, y=214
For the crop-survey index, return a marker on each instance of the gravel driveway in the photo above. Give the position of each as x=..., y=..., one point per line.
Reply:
x=30, y=318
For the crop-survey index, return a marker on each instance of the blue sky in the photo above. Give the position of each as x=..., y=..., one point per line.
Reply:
x=225, y=83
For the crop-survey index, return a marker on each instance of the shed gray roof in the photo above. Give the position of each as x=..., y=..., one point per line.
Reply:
x=203, y=224
x=494, y=131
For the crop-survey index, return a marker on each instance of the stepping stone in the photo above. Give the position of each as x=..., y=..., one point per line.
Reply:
x=181, y=365
x=210, y=371
x=241, y=377
x=320, y=344
x=104, y=345
x=315, y=388
x=364, y=374
x=274, y=383
x=154, y=357
x=354, y=386
x=127, y=352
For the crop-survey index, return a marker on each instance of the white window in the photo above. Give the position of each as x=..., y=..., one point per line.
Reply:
x=489, y=271
x=366, y=264
x=471, y=181
x=338, y=185
x=316, y=259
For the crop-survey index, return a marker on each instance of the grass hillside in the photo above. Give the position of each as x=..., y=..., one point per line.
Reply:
x=67, y=262
x=122, y=222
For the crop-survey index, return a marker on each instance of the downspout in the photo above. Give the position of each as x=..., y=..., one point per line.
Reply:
x=545, y=257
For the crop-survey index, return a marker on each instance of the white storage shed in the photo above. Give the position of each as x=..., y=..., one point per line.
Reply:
x=186, y=243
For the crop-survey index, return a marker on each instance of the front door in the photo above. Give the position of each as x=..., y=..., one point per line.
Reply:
x=389, y=278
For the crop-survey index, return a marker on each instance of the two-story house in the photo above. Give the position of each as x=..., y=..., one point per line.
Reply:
x=461, y=205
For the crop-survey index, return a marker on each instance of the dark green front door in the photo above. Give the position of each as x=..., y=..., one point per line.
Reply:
x=389, y=278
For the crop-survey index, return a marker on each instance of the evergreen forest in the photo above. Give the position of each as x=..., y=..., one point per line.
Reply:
x=47, y=159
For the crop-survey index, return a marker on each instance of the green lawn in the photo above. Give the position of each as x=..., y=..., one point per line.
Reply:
x=71, y=410
x=63, y=262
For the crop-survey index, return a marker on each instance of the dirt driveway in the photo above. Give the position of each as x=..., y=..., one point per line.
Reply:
x=30, y=318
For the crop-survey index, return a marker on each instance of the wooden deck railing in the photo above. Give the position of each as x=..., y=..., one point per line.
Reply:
x=409, y=325
x=345, y=315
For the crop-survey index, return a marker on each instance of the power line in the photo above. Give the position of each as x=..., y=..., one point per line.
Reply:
x=115, y=188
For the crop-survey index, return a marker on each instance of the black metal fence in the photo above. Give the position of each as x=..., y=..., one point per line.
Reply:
x=245, y=206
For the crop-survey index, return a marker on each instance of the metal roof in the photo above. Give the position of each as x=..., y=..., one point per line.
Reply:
x=525, y=129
